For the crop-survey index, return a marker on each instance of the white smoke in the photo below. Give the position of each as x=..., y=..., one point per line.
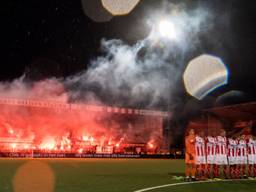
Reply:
x=48, y=89
x=146, y=73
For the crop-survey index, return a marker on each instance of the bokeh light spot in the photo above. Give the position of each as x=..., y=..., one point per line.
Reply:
x=94, y=10
x=204, y=74
x=34, y=176
x=119, y=7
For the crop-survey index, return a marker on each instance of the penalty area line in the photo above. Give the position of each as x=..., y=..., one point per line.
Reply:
x=186, y=183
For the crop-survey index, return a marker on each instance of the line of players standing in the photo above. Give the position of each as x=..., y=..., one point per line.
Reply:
x=207, y=156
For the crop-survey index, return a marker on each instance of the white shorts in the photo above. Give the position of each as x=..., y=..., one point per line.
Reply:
x=221, y=160
x=200, y=160
x=211, y=159
x=241, y=160
x=251, y=159
x=232, y=160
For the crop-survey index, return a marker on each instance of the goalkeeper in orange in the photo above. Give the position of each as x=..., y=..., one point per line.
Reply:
x=190, y=155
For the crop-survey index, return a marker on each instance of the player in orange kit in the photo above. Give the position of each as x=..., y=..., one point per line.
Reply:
x=190, y=155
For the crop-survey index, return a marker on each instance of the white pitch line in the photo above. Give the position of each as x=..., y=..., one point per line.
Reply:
x=187, y=183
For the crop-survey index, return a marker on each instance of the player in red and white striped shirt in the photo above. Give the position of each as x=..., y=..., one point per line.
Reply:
x=241, y=157
x=200, y=156
x=210, y=154
x=251, y=150
x=232, y=155
x=221, y=155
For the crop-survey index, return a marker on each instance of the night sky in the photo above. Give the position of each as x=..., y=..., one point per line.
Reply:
x=55, y=38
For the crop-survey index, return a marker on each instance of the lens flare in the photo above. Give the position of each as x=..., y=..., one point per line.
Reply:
x=34, y=176
x=119, y=7
x=204, y=74
x=95, y=11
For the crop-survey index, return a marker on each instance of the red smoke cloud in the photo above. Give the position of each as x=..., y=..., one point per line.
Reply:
x=50, y=128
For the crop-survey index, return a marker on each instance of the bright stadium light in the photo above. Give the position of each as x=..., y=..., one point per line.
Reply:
x=168, y=30
x=165, y=30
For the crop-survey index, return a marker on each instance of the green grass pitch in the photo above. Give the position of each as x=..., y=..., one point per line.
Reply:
x=116, y=175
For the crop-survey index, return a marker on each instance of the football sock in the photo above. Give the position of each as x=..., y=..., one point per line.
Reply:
x=250, y=170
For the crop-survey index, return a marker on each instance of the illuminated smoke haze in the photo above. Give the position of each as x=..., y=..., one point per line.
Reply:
x=143, y=75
